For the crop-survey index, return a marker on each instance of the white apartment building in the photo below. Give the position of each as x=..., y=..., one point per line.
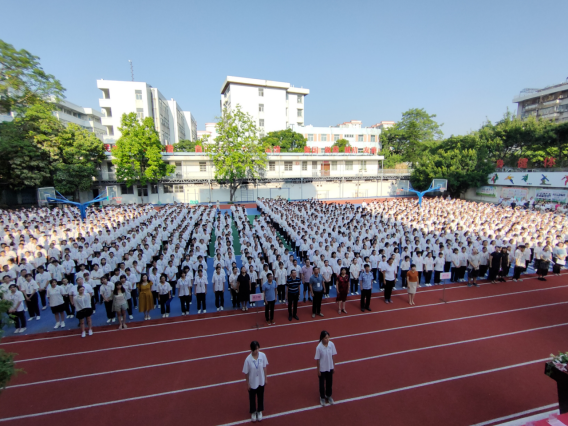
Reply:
x=273, y=104
x=550, y=102
x=87, y=118
x=359, y=137
x=124, y=97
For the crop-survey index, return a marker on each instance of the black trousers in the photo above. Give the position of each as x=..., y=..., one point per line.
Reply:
x=293, y=303
x=389, y=285
x=354, y=285
x=20, y=319
x=316, y=306
x=281, y=292
x=517, y=272
x=555, y=268
x=235, y=299
x=493, y=274
x=134, y=295
x=156, y=298
x=455, y=274
x=185, y=301
x=255, y=394
x=129, y=301
x=173, y=285
x=108, y=309
x=483, y=270
x=366, y=298
x=69, y=308
x=437, y=279
x=33, y=306
x=96, y=296
x=428, y=277
x=447, y=266
x=201, y=301
x=219, y=299
x=381, y=279
x=42, y=296
x=326, y=383
x=269, y=311
x=403, y=277
x=164, y=308
x=327, y=285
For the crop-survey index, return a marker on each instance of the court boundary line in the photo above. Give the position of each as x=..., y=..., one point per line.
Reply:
x=442, y=345
x=181, y=339
x=281, y=308
x=358, y=398
x=520, y=414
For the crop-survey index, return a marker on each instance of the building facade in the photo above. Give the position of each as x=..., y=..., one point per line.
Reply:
x=123, y=97
x=273, y=105
x=359, y=137
x=87, y=118
x=549, y=103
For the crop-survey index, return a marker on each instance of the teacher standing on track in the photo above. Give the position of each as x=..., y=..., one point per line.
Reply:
x=324, y=357
x=256, y=377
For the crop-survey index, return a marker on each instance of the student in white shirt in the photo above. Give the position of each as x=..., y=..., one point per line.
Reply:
x=30, y=288
x=256, y=372
x=106, y=292
x=56, y=303
x=42, y=279
x=16, y=297
x=281, y=275
x=326, y=273
x=324, y=357
x=184, y=291
x=165, y=293
x=218, y=281
x=82, y=303
x=200, y=284
x=234, y=286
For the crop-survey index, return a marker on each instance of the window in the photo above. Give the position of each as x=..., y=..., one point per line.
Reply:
x=360, y=150
x=142, y=191
x=153, y=188
x=261, y=122
x=373, y=138
x=272, y=166
x=168, y=189
x=310, y=138
x=286, y=96
x=300, y=99
x=304, y=165
x=110, y=131
x=314, y=165
x=261, y=92
x=364, y=165
x=334, y=165
x=202, y=166
x=287, y=166
x=140, y=113
x=110, y=167
x=125, y=190
x=324, y=138
x=335, y=138
x=178, y=189
x=360, y=138
x=300, y=113
x=349, y=165
x=260, y=107
x=138, y=95
x=348, y=136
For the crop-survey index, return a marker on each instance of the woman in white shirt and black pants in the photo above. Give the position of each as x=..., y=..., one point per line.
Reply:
x=256, y=372
x=324, y=357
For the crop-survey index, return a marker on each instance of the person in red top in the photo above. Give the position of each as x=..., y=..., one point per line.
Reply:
x=342, y=289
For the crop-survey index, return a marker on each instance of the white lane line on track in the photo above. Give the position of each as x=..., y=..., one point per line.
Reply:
x=520, y=415
x=352, y=300
x=143, y=397
x=180, y=339
x=124, y=370
x=374, y=395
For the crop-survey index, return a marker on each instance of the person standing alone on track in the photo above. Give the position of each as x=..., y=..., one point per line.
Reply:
x=324, y=357
x=366, y=279
x=292, y=295
x=255, y=369
x=316, y=290
x=269, y=289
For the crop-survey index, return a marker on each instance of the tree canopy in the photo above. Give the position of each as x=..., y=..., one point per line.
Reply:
x=237, y=153
x=138, y=152
x=341, y=144
x=23, y=82
x=185, y=145
x=287, y=140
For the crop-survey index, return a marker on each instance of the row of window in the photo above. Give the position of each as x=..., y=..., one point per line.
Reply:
x=333, y=165
x=299, y=98
x=360, y=138
x=143, y=190
x=300, y=112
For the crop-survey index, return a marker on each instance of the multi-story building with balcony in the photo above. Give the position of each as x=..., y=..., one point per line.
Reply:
x=272, y=104
x=549, y=103
x=86, y=118
x=123, y=97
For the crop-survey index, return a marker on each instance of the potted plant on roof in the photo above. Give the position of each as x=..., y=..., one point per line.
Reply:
x=557, y=369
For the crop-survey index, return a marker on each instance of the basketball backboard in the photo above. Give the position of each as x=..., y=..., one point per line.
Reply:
x=43, y=194
x=442, y=183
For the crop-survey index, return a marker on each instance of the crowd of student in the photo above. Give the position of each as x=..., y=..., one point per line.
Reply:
x=123, y=258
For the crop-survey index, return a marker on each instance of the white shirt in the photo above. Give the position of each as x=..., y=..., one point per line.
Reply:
x=389, y=271
x=325, y=356
x=218, y=281
x=17, y=297
x=55, y=296
x=183, y=286
x=255, y=370
x=200, y=284
x=82, y=302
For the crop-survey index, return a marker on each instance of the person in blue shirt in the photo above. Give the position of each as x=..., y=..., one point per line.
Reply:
x=366, y=281
x=316, y=289
x=269, y=289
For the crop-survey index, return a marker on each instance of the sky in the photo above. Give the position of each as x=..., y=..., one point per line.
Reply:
x=463, y=61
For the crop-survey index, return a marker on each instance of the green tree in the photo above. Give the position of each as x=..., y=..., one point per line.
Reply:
x=391, y=159
x=341, y=144
x=29, y=148
x=185, y=145
x=7, y=364
x=236, y=152
x=287, y=140
x=462, y=167
x=138, y=152
x=81, y=156
x=23, y=82
x=410, y=136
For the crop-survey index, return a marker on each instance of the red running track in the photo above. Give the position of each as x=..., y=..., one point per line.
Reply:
x=477, y=358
